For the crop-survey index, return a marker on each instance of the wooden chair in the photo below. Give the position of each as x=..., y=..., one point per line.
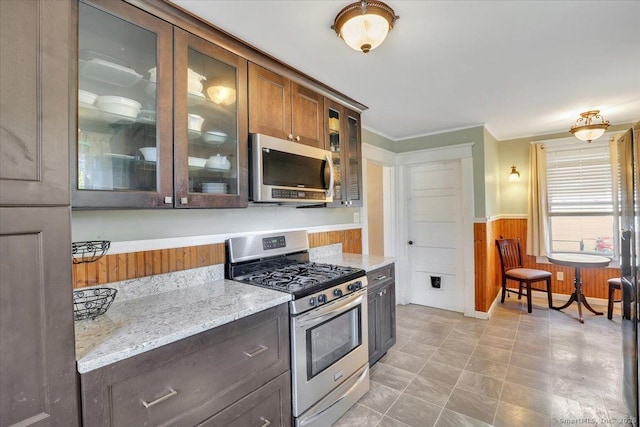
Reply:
x=614, y=283
x=511, y=263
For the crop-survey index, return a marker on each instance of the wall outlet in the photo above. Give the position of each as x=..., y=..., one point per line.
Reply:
x=356, y=217
x=560, y=276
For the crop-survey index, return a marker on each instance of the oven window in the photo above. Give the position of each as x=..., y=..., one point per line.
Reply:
x=292, y=170
x=332, y=340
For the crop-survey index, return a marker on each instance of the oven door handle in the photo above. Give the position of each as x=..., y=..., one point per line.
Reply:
x=332, y=311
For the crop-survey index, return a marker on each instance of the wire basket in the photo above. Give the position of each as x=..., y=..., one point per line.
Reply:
x=91, y=303
x=89, y=251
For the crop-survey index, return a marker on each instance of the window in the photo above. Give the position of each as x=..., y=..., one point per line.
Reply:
x=580, y=197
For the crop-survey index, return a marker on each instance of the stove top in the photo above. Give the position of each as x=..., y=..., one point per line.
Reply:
x=280, y=261
x=299, y=278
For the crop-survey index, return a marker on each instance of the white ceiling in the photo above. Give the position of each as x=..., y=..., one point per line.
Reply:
x=521, y=68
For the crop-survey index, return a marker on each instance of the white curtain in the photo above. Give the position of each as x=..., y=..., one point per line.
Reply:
x=537, y=224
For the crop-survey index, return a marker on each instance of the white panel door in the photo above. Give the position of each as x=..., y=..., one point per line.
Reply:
x=435, y=235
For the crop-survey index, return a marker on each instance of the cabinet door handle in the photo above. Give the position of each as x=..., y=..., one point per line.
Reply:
x=381, y=277
x=169, y=395
x=168, y=200
x=380, y=294
x=290, y=137
x=184, y=200
x=266, y=422
x=261, y=349
x=298, y=138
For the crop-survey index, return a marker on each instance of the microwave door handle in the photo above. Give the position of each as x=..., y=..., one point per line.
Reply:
x=329, y=164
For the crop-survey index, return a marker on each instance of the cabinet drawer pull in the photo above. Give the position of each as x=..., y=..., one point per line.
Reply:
x=261, y=349
x=266, y=422
x=171, y=393
x=381, y=277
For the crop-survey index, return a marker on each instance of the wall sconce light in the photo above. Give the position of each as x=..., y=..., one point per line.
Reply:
x=514, y=176
x=586, y=130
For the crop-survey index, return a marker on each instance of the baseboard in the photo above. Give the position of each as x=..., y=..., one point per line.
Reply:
x=486, y=315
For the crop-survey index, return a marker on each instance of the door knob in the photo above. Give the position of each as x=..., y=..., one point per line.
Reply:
x=410, y=242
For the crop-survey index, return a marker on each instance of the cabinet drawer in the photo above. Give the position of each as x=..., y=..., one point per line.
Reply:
x=380, y=275
x=269, y=405
x=183, y=383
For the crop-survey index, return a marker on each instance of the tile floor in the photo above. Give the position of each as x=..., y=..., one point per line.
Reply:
x=516, y=369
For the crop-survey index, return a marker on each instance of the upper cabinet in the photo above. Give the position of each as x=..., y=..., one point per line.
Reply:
x=344, y=142
x=284, y=109
x=161, y=114
x=210, y=134
x=34, y=102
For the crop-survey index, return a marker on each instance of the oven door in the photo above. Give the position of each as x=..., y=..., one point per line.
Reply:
x=329, y=344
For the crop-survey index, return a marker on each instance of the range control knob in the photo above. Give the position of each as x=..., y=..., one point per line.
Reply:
x=312, y=301
x=322, y=298
x=351, y=287
x=337, y=292
x=358, y=285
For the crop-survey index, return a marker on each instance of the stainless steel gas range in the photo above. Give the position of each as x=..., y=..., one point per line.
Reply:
x=329, y=339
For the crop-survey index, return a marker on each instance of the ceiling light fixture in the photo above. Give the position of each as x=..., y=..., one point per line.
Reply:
x=586, y=130
x=514, y=176
x=364, y=25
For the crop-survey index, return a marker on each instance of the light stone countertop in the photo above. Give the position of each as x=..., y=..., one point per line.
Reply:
x=138, y=325
x=365, y=262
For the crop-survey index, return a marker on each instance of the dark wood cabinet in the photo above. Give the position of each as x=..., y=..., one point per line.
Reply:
x=34, y=116
x=344, y=141
x=381, y=311
x=37, y=353
x=270, y=405
x=223, y=132
x=155, y=104
x=284, y=109
x=215, y=376
x=124, y=56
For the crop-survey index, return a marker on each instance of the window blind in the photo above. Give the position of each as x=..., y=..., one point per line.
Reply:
x=579, y=179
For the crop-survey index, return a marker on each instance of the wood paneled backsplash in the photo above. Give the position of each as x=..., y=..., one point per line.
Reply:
x=488, y=273
x=114, y=268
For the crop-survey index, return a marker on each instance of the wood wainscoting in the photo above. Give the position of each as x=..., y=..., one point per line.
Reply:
x=132, y=265
x=487, y=264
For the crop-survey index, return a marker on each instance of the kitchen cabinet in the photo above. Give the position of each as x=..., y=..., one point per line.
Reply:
x=284, y=109
x=161, y=114
x=381, y=311
x=218, y=377
x=37, y=358
x=211, y=137
x=344, y=142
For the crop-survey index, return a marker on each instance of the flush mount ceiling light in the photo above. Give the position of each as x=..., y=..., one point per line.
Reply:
x=586, y=130
x=222, y=95
x=364, y=25
x=514, y=176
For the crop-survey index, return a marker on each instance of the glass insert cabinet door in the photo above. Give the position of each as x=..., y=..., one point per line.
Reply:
x=210, y=134
x=334, y=113
x=124, y=145
x=354, y=166
x=343, y=141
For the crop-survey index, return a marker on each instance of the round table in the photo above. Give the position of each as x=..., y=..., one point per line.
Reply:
x=579, y=261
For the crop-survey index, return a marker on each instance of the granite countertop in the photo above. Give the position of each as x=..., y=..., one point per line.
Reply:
x=365, y=262
x=137, y=325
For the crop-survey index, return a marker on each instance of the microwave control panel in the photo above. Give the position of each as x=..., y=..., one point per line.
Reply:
x=279, y=193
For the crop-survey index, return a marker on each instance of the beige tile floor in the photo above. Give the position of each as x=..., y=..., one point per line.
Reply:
x=516, y=369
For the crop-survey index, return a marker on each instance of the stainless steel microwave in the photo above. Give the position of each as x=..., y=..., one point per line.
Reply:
x=287, y=171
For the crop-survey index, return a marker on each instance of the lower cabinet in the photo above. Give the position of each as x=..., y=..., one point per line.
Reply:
x=218, y=377
x=381, y=311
